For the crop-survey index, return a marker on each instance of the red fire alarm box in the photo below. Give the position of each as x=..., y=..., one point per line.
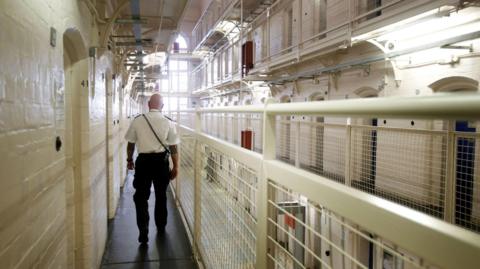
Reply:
x=176, y=47
x=247, y=57
x=247, y=139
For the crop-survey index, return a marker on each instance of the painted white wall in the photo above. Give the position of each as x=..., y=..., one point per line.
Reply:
x=42, y=215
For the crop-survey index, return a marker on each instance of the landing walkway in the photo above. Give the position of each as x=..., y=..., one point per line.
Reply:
x=170, y=250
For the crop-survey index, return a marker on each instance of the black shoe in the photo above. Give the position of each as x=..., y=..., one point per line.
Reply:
x=143, y=238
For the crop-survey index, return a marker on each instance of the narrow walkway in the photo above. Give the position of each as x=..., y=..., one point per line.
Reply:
x=170, y=250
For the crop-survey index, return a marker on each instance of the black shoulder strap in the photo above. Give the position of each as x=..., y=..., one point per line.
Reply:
x=166, y=149
x=168, y=118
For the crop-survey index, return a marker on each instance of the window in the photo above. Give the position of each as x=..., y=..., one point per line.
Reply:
x=178, y=75
x=183, y=103
x=180, y=45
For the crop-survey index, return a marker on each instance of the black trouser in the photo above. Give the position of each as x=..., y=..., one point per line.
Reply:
x=151, y=167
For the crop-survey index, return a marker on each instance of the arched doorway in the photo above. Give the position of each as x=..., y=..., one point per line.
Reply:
x=76, y=74
x=180, y=45
x=464, y=206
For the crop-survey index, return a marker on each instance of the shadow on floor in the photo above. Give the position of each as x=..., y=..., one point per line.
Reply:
x=169, y=250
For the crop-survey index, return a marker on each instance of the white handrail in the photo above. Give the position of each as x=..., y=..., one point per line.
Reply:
x=423, y=235
x=445, y=106
x=233, y=109
x=459, y=106
x=435, y=240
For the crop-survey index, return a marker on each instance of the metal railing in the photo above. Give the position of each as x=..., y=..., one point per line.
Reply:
x=338, y=184
x=276, y=44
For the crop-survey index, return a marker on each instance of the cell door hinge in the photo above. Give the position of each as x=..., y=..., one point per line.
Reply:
x=84, y=83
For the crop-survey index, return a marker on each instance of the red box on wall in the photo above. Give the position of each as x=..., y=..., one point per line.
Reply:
x=247, y=139
x=247, y=57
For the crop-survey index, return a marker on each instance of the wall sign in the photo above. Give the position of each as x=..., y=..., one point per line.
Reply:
x=53, y=37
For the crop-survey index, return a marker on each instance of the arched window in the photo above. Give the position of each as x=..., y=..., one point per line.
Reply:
x=366, y=92
x=454, y=84
x=182, y=43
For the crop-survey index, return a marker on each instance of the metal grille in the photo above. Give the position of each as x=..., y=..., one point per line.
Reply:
x=302, y=234
x=185, y=182
x=228, y=214
x=320, y=147
x=285, y=143
x=229, y=127
x=405, y=166
x=467, y=181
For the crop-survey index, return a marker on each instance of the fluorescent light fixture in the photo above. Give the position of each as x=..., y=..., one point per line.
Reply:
x=429, y=27
x=157, y=58
x=392, y=26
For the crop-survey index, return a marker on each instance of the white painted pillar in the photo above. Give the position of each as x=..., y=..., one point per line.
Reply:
x=262, y=191
x=449, y=207
x=197, y=187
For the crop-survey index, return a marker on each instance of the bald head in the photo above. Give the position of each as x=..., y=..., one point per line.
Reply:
x=155, y=102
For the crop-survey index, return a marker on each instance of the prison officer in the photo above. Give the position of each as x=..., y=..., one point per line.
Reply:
x=155, y=137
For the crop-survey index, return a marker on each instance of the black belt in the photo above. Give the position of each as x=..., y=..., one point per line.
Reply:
x=152, y=154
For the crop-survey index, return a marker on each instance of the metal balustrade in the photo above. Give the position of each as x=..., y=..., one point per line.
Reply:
x=304, y=234
x=228, y=127
x=363, y=183
x=279, y=42
x=185, y=188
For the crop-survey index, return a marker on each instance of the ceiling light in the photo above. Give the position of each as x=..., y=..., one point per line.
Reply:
x=426, y=28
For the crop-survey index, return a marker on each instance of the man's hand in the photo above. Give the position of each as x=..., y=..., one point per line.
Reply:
x=130, y=150
x=173, y=173
x=130, y=165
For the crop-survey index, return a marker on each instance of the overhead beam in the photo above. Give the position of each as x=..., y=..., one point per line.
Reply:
x=109, y=27
x=132, y=43
x=131, y=21
x=122, y=36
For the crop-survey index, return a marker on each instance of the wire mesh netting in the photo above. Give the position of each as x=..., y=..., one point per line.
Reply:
x=228, y=211
x=405, y=162
x=405, y=166
x=185, y=182
x=285, y=140
x=235, y=128
x=467, y=181
x=409, y=166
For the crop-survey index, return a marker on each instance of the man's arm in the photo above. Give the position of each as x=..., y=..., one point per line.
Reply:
x=174, y=152
x=130, y=150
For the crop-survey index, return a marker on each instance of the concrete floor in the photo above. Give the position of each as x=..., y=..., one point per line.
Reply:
x=170, y=250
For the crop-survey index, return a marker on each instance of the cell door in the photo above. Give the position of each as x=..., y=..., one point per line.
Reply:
x=465, y=163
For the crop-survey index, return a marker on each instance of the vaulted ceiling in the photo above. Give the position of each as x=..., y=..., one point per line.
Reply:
x=146, y=23
x=133, y=29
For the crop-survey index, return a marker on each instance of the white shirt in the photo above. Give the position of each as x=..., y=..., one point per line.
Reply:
x=141, y=134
